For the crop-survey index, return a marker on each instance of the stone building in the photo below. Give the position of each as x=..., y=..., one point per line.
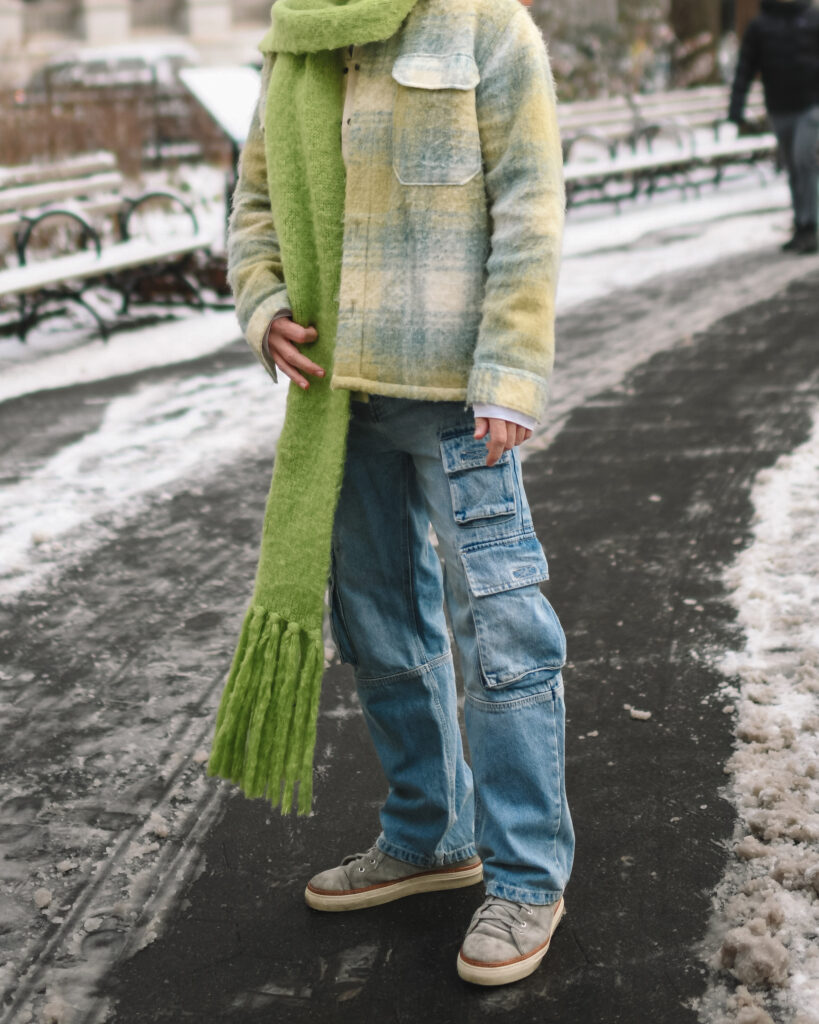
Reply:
x=222, y=30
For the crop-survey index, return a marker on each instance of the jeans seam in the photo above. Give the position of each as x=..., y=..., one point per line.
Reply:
x=417, y=670
x=336, y=593
x=443, y=725
x=531, y=672
x=559, y=790
x=489, y=542
x=407, y=560
x=498, y=706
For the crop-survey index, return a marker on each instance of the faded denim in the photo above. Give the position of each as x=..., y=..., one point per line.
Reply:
x=410, y=463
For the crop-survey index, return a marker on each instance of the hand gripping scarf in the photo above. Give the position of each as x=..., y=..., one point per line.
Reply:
x=266, y=725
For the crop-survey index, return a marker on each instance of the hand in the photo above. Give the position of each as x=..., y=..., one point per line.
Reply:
x=283, y=336
x=503, y=436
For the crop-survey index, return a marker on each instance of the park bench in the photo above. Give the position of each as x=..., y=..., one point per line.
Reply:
x=81, y=190
x=618, y=121
x=121, y=267
x=85, y=190
x=628, y=176
x=618, y=149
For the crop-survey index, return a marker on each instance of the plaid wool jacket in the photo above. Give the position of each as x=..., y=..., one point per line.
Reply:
x=454, y=213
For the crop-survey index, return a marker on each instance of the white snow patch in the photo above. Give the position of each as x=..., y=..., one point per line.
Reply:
x=766, y=910
x=653, y=242
x=584, y=236
x=31, y=367
x=147, y=441
x=42, y=898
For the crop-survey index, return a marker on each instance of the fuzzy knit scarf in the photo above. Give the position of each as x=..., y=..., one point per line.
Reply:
x=266, y=725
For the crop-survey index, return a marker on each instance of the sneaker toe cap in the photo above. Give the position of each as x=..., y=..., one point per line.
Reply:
x=332, y=880
x=488, y=949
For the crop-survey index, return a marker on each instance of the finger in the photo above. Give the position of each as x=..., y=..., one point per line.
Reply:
x=528, y=434
x=521, y=435
x=511, y=435
x=288, y=352
x=481, y=427
x=293, y=332
x=497, y=440
x=293, y=374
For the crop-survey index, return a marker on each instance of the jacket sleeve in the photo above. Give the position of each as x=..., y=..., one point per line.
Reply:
x=255, y=269
x=523, y=173
x=747, y=67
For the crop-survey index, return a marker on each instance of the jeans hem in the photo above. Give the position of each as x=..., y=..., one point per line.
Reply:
x=408, y=857
x=517, y=894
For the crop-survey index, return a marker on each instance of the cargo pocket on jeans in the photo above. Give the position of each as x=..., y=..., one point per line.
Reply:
x=480, y=494
x=518, y=633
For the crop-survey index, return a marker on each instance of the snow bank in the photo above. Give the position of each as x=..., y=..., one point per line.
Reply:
x=60, y=361
x=621, y=253
x=766, y=910
x=146, y=442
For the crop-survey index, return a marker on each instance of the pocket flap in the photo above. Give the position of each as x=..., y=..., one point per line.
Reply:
x=464, y=452
x=436, y=71
x=504, y=565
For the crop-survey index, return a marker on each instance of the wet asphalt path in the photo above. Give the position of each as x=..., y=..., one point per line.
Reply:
x=640, y=500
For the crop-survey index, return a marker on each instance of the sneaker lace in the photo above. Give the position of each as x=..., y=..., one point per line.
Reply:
x=372, y=855
x=501, y=913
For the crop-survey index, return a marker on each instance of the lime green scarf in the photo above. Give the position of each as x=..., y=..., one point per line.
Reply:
x=266, y=725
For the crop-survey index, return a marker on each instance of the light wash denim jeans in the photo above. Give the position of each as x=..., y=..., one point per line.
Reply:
x=798, y=135
x=410, y=463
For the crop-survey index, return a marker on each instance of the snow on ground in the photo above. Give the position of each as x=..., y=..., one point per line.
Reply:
x=587, y=233
x=45, y=363
x=619, y=253
x=147, y=441
x=765, y=927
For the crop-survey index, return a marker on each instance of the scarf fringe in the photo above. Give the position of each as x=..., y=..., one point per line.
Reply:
x=266, y=725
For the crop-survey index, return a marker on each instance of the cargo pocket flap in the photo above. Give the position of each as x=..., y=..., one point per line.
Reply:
x=436, y=71
x=464, y=452
x=504, y=565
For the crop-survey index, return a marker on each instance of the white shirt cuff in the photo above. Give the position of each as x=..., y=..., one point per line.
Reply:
x=500, y=412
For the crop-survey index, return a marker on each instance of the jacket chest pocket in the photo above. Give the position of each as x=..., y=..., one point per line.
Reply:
x=435, y=139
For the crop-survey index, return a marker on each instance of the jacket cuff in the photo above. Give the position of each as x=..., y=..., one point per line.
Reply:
x=259, y=323
x=514, y=389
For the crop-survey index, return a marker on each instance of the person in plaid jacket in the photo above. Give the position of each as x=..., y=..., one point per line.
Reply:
x=453, y=224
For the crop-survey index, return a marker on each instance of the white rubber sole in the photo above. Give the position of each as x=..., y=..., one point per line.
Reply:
x=512, y=970
x=437, y=880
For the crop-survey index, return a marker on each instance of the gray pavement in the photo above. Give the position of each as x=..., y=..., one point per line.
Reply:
x=640, y=499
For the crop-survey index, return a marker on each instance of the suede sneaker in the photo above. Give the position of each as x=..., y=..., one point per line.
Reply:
x=372, y=878
x=507, y=941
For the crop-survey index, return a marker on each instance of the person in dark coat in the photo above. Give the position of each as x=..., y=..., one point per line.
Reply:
x=782, y=44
